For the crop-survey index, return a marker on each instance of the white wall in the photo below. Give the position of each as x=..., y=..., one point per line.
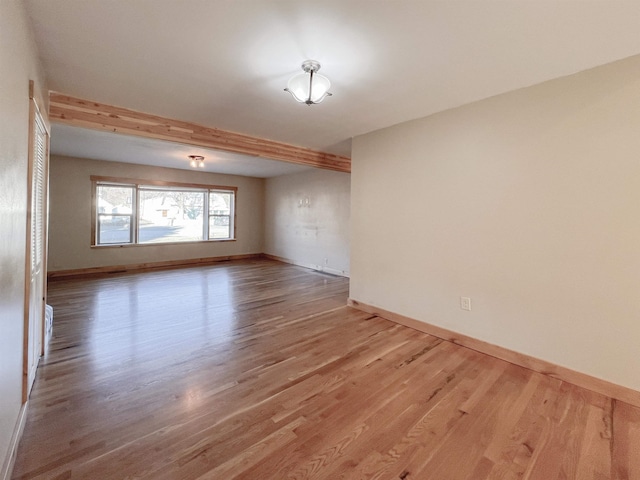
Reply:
x=19, y=64
x=314, y=234
x=70, y=215
x=529, y=203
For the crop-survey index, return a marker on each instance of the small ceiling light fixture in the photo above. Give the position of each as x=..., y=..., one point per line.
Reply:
x=309, y=87
x=196, y=161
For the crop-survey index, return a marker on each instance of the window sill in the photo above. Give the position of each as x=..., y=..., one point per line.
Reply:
x=162, y=244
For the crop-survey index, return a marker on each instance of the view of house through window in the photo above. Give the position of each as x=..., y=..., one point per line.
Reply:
x=147, y=214
x=170, y=216
x=220, y=214
x=115, y=212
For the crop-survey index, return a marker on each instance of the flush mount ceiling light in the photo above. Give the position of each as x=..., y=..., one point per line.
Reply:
x=196, y=161
x=309, y=87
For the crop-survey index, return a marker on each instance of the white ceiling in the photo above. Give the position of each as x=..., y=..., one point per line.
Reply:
x=224, y=63
x=98, y=145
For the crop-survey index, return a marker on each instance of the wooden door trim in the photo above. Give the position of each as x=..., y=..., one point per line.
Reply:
x=34, y=111
x=28, y=250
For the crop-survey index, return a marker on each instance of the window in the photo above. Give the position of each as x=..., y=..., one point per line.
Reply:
x=171, y=215
x=115, y=214
x=139, y=212
x=220, y=214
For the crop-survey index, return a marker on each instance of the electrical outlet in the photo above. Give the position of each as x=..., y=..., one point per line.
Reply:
x=465, y=303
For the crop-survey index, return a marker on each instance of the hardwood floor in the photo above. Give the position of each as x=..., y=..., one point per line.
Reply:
x=258, y=370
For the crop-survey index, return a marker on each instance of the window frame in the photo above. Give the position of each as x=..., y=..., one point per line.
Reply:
x=139, y=185
x=232, y=208
x=133, y=230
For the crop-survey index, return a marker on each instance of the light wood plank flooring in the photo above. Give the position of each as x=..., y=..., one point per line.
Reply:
x=257, y=370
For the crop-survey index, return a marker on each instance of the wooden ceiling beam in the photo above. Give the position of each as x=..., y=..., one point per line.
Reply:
x=77, y=112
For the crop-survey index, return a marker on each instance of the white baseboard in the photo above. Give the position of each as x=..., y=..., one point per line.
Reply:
x=10, y=460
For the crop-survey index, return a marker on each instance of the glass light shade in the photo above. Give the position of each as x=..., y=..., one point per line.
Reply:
x=298, y=86
x=196, y=161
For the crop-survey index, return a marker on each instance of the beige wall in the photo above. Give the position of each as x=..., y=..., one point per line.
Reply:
x=529, y=203
x=70, y=215
x=314, y=234
x=19, y=64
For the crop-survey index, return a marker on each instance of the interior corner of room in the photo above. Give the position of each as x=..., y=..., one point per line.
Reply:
x=502, y=220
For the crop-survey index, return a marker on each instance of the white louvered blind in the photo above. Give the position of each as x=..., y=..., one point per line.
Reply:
x=37, y=199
